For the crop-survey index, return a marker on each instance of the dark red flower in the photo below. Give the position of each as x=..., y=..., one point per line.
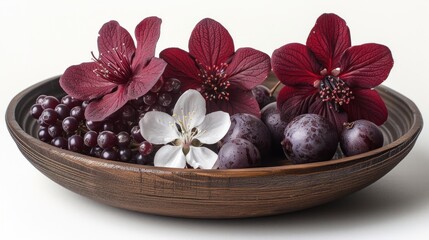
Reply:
x=224, y=77
x=330, y=77
x=121, y=72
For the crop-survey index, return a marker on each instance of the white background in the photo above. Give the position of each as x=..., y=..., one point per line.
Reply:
x=40, y=39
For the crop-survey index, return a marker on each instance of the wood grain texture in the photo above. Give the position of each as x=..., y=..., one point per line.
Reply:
x=214, y=193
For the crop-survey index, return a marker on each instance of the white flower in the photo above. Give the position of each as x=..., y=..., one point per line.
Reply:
x=186, y=131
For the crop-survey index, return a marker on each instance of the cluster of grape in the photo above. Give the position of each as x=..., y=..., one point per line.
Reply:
x=62, y=123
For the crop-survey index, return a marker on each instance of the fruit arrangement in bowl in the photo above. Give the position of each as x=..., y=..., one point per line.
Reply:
x=210, y=132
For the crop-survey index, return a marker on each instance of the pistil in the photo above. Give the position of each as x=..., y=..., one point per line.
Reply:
x=335, y=91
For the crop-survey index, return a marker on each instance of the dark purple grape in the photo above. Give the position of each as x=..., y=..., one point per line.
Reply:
x=107, y=140
x=128, y=113
x=158, y=108
x=138, y=158
x=94, y=126
x=62, y=110
x=145, y=148
x=55, y=131
x=84, y=104
x=70, y=102
x=36, y=110
x=70, y=125
x=158, y=85
x=40, y=99
x=124, y=139
x=59, y=142
x=238, y=153
x=309, y=138
x=262, y=95
x=90, y=139
x=75, y=143
x=136, y=134
x=109, y=154
x=360, y=136
x=172, y=85
x=78, y=112
x=125, y=154
x=165, y=99
x=150, y=98
x=271, y=117
x=252, y=129
x=96, y=151
x=50, y=102
x=108, y=126
x=43, y=134
x=49, y=116
x=137, y=102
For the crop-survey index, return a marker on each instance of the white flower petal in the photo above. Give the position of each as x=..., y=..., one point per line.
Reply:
x=201, y=157
x=158, y=127
x=214, y=127
x=190, y=109
x=170, y=156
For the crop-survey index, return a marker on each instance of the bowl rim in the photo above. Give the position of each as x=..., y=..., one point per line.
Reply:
x=413, y=131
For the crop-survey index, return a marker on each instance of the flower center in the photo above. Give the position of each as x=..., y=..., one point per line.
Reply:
x=113, y=65
x=335, y=91
x=214, y=81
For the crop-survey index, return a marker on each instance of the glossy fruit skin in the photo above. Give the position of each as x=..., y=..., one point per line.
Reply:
x=360, y=136
x=262, y=95
x=238, y=153
x=270, y=115
x=309, y=138
x=252, y=129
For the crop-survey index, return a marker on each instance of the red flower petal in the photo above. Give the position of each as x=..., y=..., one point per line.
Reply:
x=240, y=102
x=328, y=39
x=147, y=34
x=181, y=66
x=366, y=66
x=112, y=36
x=323, y=109
x=99, y=110
x=210, y=43
x=79, y=81
x=294, y=64
x=368, y=105
x=294, y=101
x=145, y=77
x=248, y=68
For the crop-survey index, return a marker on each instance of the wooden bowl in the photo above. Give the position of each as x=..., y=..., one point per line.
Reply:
x=193, y=193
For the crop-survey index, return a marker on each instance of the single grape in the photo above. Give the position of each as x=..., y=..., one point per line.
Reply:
x=150, y=98
x=172, y=85
x=107, y=140
x=44, y=135
x=109, y=154
x=136, y=134
x=270, y=115
x=78, y=112
x=59, y=142
x=70, y=102
x=262, y=95
x=124, y=139
x=49, y=116
x=252, y=129
x=40, y=99
x=96, y=151
x=84, y=104
x=75, y=143
x=158, y=85
x=62, y=110
x=36, y=110
x=238, y=153
x=93, y=126
x=360, y=136
x=70, y=125
x=145, y=148
x=125, y=154
x=309, y=138
x=165, y=99
x=128, y=113
x=90, y=139
x=50, y=102
x=108, y=126
x=55, y=130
